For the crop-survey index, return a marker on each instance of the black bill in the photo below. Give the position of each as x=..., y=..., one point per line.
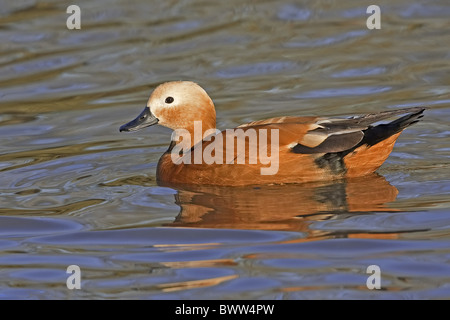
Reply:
x=145, y=119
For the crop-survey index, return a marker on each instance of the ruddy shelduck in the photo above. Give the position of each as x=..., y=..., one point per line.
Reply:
x=306, y=148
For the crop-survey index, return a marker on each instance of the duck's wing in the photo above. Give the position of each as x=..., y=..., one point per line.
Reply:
x=337, y=135
x=310, y=135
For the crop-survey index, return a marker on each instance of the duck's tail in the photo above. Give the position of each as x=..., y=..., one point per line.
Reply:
x=378, y=143
x=376, y=134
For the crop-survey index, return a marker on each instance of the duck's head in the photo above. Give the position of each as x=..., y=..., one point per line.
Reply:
x=176, y=105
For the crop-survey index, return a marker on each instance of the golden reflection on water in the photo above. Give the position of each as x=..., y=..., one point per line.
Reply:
x=43, y=155
x=51, y=210
x=183, y=285
x=289, y=207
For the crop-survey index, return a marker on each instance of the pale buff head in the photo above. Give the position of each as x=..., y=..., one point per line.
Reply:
x=178, y=104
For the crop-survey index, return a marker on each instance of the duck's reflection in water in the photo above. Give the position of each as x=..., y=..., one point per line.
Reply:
x=282, y=207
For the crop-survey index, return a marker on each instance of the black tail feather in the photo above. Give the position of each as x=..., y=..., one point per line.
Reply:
x=372, y=135
x=376, y=134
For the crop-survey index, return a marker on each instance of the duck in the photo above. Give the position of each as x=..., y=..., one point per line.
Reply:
x=280, y=150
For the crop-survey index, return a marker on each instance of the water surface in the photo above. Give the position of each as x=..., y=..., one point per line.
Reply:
x=75, y=191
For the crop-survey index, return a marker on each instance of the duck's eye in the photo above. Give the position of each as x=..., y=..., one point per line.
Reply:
x=169, y=100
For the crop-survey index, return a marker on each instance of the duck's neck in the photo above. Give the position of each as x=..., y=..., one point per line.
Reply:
x=192, y=134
